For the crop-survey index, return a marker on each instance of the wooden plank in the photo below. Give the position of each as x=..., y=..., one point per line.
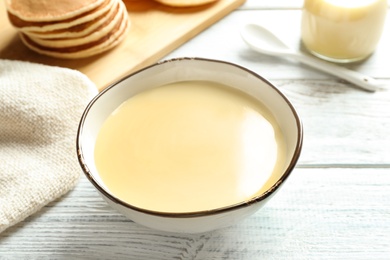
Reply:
x=318, y=214
x=343, y=126
x=156, y=30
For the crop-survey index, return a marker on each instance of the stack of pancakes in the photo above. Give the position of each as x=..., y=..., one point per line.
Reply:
x=69, y=28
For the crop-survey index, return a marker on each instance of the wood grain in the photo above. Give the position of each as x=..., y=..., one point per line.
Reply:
x=155, y=31
x=319, y=214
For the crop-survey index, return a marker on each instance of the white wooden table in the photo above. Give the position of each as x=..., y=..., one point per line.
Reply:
x=335, y=205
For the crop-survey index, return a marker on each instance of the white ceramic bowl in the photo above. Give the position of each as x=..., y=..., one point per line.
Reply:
x=184, y=69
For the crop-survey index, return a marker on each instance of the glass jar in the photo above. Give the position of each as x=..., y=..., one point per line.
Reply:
x=342, y=30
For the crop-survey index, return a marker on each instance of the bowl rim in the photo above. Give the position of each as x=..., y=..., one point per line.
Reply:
x=255, y=199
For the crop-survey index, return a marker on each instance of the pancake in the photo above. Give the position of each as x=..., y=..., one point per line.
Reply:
x=98, y=33
x=49, y=10
x=77, y=30
x=27, y=26
x=185, y=3
x=103, y=44
x=71, y=33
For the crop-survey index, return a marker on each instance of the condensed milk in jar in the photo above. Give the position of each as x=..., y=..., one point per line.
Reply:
x=342, y=30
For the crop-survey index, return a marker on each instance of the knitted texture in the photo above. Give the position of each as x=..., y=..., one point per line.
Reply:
x=40, y=108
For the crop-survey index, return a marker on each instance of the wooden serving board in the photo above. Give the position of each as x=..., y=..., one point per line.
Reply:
x=155, y=31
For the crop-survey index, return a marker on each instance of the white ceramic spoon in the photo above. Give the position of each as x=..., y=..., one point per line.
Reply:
x=263, y=41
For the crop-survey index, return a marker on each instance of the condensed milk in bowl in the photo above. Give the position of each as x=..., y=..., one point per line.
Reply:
x=342, y=30
x=189, y=145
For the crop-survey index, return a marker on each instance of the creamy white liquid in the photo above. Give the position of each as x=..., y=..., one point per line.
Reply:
x=189, y=146
x=343, y=29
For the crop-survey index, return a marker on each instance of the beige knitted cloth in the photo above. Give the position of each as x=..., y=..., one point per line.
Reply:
x=40, y=108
